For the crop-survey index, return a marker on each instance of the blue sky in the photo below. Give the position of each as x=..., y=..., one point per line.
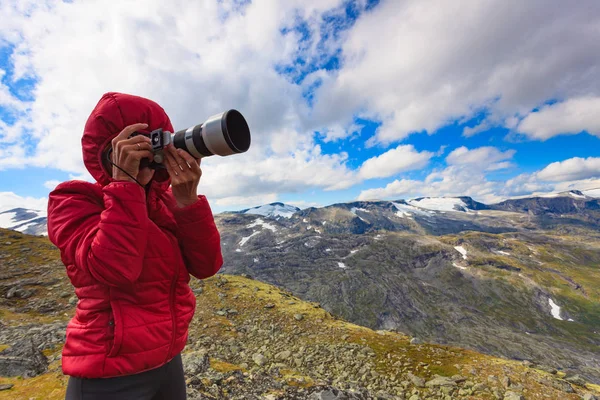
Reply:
x=346, y=100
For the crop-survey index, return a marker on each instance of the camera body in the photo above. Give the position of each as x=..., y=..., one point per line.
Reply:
x=223, y=134
x=159, y=139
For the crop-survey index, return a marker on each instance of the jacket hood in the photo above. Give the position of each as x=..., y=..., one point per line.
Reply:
x=114, y=112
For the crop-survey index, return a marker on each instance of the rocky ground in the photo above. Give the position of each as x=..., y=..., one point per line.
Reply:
x=252, y=340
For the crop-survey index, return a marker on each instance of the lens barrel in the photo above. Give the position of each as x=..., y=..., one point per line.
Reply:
x=222, y=134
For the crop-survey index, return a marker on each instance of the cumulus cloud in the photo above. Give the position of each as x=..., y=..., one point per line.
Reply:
x=402, y=158
x=441, y=64
x=472, y=131
x=193, y=58
x=455, y=180
x=572, y=169
x=569, y=117
x=51, y=184
x=462, y=180
x=10, y=200
x=488, y=158
x=435, y=63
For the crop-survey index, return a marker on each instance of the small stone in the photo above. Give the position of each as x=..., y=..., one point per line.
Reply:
x=221, y=313
x=269, y=305
x=298, y=317
x=416, y=380
x=416, y=341
x=440, y=381
x=199, y=290
x=576, y=380
x=9, y=385
x=513, y=396
x=73, y=300
x=589, y=396
x=284, y=355
x=562, y=385
x=259, y=359
x=479, y=387
x=195, y=362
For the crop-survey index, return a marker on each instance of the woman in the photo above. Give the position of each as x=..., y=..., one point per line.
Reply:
x=129, y=243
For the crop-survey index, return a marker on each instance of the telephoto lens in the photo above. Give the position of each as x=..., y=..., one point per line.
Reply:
x=223, y=134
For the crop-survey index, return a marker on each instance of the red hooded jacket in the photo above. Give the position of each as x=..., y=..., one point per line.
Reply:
x=129, y=253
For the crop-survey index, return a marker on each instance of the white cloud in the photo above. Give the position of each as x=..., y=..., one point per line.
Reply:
x=395, y=189
x=402, y=158
x=10, y=200
x=51, y=184
x=569, y=117
x=572, y=169
x=435, y=62
x=488, y=158
x=472, y=131
x=240, y=202
x=468, y=180
x=193, y=58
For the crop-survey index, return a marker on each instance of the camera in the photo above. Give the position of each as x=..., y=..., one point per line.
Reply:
x=223, y=134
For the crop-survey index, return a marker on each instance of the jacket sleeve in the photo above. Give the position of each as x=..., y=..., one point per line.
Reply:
x=199, y=239
x=106, y=238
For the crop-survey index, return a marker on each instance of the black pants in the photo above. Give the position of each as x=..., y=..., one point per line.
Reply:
x=163, y=383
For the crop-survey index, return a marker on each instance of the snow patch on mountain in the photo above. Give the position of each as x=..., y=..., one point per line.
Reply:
x=262, y=223
x=405, y=210
x=24, y=220
x=245, y=239
x=440, y=204
x=273, y=210
x=342, y=265
x=555, y=309
x=462, y=251
x=458, y=266
x=592, y=192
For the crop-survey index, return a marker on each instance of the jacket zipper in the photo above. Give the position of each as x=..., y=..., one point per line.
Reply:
x=172, y=305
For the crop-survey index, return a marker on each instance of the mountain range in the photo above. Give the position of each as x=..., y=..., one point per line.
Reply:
x=516, y=279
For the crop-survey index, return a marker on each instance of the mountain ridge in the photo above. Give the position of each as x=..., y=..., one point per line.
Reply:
x=252, y=340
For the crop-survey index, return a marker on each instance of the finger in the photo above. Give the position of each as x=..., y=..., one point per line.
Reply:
x=170, y=170
x=136, y=139
x=172, y=163
x=191, y=161
x=118, y=145
x=173, y=151
x=137, y=147
x=128, y=130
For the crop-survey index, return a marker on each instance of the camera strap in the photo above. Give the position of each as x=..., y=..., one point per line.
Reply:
x=108, y=153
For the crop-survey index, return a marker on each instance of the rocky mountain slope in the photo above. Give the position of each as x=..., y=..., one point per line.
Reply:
x=32, y=222
x=519, y=283
x=252, y=340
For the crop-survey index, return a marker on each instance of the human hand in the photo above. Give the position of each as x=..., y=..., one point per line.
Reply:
x=185, y=174
x=127, y=154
